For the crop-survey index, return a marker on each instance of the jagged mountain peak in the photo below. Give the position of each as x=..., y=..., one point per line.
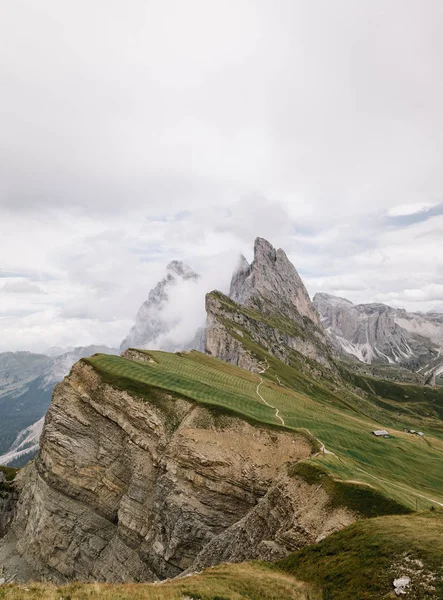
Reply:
x=273, y=277
x=283, y=319
x=151, y=326
x=181, y=269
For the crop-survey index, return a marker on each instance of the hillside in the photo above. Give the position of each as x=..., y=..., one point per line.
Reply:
x=364, y=560
x=181, y=461
x=225, y=582
x=337, y=419
x=167, y=481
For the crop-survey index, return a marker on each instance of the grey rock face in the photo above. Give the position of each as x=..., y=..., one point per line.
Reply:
x=276, y=525
x=377, y=333
x=8, y=501
x=228, y=325
x=150, y=324
x=269, y=306
x=129, y=490
x=272, y=283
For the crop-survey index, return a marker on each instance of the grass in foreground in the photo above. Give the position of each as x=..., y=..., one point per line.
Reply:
x=405, y=468
x=361, y=561
x=253, y=581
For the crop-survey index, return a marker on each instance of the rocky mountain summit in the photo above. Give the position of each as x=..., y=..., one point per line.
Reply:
x=377, y=333
x=271, y=284
x=268, y=305
x=151, y=326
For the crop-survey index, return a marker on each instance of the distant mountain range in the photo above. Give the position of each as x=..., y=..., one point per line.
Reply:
x=26, y=384
x=380, y=334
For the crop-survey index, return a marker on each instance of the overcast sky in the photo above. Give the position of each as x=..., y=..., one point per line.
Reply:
x=133, y=133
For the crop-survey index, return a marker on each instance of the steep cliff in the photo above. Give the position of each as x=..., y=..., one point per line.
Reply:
x=136, y=488
x=269, y=307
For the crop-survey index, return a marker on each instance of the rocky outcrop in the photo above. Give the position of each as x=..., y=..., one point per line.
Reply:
x=152, y=326
x=377, y=333
x=230, y=331
x=8, y=503
x=291, y=515
x=128, y=489
x=268, y=307
x=224, y=335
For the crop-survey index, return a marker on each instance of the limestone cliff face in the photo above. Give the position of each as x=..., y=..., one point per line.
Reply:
x=268, y=305
x=229, y=328
x=125, y=489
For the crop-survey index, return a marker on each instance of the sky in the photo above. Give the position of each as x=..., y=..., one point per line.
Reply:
x=134, y=133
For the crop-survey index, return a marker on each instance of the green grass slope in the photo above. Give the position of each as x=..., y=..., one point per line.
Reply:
x=404, y=468
x=362, y=561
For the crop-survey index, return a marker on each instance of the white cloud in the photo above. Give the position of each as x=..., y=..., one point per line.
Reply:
x=21, y=287
x=410, y=209
x=184, y=130
x=40, y=330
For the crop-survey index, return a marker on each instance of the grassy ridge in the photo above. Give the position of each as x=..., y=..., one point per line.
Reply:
x=209, y=384
x=405, y=468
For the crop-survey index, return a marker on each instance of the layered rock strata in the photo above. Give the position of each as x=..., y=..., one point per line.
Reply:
x=130, y=489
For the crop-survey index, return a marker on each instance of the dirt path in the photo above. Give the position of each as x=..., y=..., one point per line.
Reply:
x=268, y=404
x=277, y=412
x=323, y=449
